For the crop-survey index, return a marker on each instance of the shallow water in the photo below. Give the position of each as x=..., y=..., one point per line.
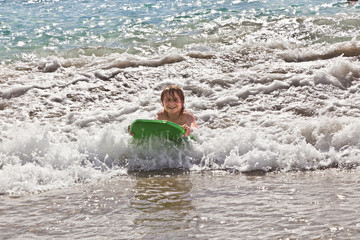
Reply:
x=274, y=86
x=202, y=205
x=31, y=29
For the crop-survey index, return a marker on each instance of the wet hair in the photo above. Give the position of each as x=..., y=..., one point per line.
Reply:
x=170, y=91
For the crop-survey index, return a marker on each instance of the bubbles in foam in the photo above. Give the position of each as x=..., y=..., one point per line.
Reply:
x=269, y=95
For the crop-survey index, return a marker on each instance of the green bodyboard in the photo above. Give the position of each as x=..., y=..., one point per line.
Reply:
x=143, y=129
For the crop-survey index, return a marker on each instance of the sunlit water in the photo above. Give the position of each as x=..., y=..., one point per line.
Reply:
x=274, y=86
x=216, y=205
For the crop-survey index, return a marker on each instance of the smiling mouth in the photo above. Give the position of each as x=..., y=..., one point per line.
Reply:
x=172, y=107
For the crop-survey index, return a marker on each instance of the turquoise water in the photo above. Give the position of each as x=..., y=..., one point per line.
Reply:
x=73, y=28
x=275, y=88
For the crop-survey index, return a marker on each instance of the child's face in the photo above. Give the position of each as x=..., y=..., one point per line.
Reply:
x=172, y=105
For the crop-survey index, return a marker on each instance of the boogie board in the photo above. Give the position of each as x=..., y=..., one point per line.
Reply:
x=144, y=128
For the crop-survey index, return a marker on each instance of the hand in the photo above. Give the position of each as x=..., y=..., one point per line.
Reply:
x=187, y=130
x=132, y=134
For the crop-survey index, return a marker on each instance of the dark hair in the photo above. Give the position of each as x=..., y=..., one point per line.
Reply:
x=171, y=90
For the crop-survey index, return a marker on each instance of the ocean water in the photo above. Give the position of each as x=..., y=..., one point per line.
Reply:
x=274, y=86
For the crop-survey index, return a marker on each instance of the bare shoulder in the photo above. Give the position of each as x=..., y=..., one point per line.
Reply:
x=160, y=115
x=190, y=118
x=188, y=115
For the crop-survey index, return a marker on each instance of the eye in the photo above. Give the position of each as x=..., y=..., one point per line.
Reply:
x=168, y=100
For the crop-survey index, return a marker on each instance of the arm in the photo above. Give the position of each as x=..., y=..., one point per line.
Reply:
x=190, y=123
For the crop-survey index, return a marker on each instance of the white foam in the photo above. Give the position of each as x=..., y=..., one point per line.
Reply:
x=147, y=62
x=15, y=91
x=228, y=100
x=255, y=111
x=312, y=53
x=340, y=73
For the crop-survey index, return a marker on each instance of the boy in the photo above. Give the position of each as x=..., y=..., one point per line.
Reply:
x=173, y=100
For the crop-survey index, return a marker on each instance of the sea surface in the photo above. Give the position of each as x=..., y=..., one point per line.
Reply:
x=275, y=87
